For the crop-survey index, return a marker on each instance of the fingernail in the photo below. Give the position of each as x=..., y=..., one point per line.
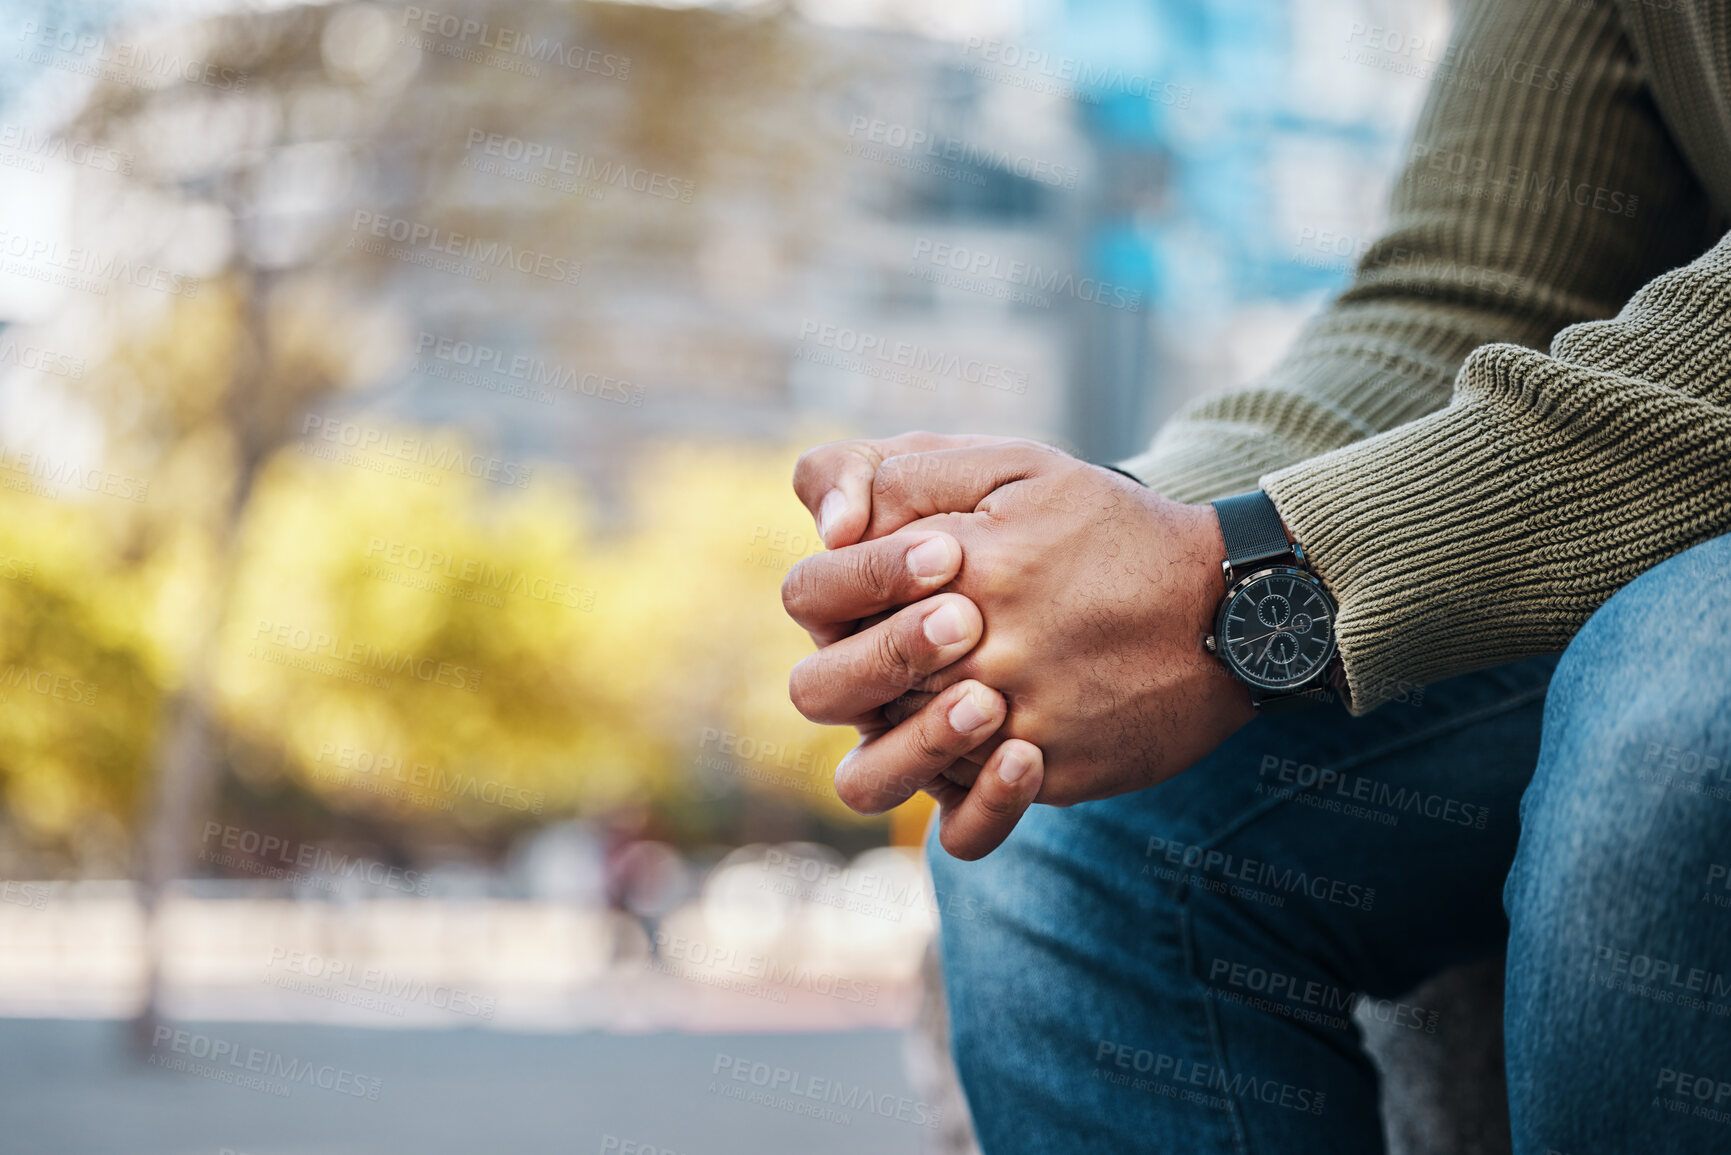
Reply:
x=1015, y=764
x=966, y=716
x=929, y=558
x=945, y=626
x=829, y=511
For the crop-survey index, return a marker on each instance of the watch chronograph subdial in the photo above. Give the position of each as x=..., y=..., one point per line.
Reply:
x=1273, y=610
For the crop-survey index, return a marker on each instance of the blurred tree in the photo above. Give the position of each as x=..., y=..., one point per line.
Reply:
x=257, y=185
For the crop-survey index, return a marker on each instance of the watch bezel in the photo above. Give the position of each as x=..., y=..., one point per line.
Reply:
x=1224, y=652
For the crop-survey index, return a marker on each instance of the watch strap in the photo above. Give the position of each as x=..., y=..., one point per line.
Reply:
x=1251, y=528
x=1126, y=473
x=1297, y=700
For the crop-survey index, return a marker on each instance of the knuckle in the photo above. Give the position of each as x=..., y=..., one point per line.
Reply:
x=993, y=579
x=822, y=466
x=886, y=480
x=908, y=785
x=893, y=660
x=873, y=574
x=994, y=802
x=927, y=743
x=895, y=474
x=997, y=663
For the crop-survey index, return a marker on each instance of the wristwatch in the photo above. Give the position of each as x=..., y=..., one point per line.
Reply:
x=1274, y=630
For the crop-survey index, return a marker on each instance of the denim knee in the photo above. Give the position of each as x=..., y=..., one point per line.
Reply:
x=1632, y=793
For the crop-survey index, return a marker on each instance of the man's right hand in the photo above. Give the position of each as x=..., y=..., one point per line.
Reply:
x=834, y=481
x=866, y=662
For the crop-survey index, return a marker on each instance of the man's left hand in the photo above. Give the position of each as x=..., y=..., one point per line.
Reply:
x=1095, y=595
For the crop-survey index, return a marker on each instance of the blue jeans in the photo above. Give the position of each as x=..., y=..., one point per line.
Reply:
x=1174, y=970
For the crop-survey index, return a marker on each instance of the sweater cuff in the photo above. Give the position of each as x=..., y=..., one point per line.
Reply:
x=1424, y=536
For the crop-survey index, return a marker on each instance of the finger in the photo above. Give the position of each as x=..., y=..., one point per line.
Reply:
x=975, y=820
x=908, y=705
x=854, y=676
x=828, y=592
x=964, y=769
x=910, y=486
x=833, y=481
x=891, y=766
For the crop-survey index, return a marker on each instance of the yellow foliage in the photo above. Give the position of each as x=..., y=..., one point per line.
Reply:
x=475, y=647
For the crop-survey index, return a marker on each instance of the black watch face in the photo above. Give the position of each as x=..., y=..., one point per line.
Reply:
x=1276, y=628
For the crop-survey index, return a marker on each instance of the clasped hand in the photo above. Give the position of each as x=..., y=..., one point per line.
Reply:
x=1004, y=624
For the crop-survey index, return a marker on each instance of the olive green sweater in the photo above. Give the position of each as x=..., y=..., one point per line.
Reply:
x=1474, y=458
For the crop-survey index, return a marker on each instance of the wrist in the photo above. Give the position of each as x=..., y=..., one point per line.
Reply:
x=1206, y=548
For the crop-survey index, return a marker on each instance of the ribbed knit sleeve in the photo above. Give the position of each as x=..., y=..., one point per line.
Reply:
x=1541, y=190
x=1491, y=529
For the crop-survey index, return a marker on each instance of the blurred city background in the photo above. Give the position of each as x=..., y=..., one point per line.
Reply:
x=397, y=407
